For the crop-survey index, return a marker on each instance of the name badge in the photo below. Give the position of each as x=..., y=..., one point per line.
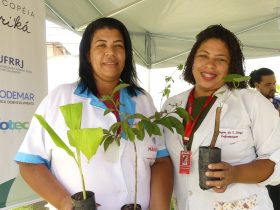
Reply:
x=185, y=162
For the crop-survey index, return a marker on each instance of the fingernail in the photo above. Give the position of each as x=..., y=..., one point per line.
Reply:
x=207, y=173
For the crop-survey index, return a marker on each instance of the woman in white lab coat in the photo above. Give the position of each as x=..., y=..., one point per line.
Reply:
x=249, y=131
x=105, y=61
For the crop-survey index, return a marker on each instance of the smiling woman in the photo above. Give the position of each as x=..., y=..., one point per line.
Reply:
x=210, y=66
x=248, y=160
x=105, y=60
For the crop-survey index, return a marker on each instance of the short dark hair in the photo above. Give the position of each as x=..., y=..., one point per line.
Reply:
x=128, y=74
x=256, y=75
x=233, y=44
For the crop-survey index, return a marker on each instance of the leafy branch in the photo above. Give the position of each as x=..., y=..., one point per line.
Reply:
x=150, y=125
x=141, y=125
x=168, y=82
x=85, y=140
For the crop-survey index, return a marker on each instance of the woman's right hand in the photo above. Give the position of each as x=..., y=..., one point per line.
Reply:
x=224, y=172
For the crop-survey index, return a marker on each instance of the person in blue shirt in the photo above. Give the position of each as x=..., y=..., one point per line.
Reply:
x=264, y=80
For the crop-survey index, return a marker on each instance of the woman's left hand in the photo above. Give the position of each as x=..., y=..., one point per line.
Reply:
x=225, y=172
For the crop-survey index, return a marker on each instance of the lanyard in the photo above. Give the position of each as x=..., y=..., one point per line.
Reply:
x=191, y=123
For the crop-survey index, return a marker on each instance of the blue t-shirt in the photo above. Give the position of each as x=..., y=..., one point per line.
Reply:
x=276, y=102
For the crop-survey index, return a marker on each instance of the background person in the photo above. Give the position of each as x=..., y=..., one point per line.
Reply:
x=105, y=61
x=264, y=80
x=251, y=146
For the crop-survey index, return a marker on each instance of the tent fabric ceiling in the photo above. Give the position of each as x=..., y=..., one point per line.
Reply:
x=163, y=31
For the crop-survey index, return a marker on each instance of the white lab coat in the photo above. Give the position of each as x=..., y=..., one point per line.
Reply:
x=110, y=174
x=249, y=130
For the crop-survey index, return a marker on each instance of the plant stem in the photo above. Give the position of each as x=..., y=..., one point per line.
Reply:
x=216, y=128
x=135, y=175
x=81, y=173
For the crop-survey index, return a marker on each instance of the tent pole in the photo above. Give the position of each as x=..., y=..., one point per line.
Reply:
x=148, y=57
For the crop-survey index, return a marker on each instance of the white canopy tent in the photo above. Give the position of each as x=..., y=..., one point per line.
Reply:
x=163, y=31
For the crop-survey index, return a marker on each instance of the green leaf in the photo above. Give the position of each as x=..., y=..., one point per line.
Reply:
x=138, y=116
x=158, y=115
x=106, y=132
x=141, y=129
x=128, y=131
x=114, y=127
x=156, y=129
x=242, y=79
x=109, y=140
x=56, y=139
x=86, y=139
x=166, y=92
x=147, y=126
x=118, y=140
x=177, y=124
x=236, y=78
x=107, y=111
x=183, y=113
x=166, y=123
x=230, y=77
x=72, y=114
x=140, y=134
x=168, y=78
x=119, y=87
x=180, y=67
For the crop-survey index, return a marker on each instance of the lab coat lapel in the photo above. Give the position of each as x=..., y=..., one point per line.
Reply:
x=181, y=101
x=203, y=133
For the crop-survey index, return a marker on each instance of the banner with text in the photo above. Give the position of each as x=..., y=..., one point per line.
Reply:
x=23, y=84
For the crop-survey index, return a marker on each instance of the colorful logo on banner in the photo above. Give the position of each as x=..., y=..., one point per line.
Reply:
x=13, y=125
x=12, y=65
x=22, y=62
x=11, y=61
x=16, y=97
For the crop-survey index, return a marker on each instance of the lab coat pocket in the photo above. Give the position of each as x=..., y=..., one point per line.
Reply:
x=248, y=203
x=235, y=143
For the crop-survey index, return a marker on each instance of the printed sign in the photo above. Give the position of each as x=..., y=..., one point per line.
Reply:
x=23, y=84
